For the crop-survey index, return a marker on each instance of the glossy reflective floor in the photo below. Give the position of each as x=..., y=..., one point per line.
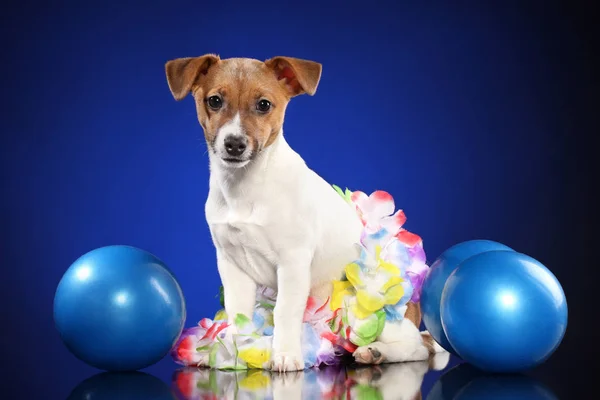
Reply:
x=442, y=377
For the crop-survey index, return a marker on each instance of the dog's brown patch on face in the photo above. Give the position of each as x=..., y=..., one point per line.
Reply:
x=242, y=83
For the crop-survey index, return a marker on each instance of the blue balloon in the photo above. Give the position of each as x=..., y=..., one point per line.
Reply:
x=503, y=311
x=440, y=270
x=122, y=386
x=465, y=382
x=119, y=308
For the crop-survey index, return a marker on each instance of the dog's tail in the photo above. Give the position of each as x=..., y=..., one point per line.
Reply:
x=430, y=343
x=438, y=356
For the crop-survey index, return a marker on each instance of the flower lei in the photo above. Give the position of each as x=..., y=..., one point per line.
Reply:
x=389, y=273
x=375, y=288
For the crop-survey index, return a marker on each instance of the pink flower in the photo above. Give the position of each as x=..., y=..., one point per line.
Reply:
x=212, y=328
x=194, y=384
x=186, y=383
x=408, y=238
x=377, y=211
x=188, y=348
x=316, y=312
x=184, y=352
x=338, y=340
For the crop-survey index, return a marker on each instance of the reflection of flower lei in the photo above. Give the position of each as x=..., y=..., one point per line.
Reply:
x=328, y=383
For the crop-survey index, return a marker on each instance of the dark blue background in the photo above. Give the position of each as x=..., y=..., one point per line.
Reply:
x=474, y=117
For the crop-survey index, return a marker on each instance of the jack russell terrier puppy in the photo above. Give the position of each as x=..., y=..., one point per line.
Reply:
x=274, y=221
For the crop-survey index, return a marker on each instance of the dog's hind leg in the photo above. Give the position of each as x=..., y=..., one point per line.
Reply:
x=400, y=341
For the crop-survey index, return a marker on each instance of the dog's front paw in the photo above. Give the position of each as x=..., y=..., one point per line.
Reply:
x=287, y=386
x=287, y=361
x=368, y=355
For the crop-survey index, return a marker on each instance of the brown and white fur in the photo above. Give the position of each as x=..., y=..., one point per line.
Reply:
x=273, y=220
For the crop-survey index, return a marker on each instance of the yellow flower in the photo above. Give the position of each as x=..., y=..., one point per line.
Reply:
x=255, y=380
x=221, y=315
x=341, y=289
x=374, y=289
x=385, y=265
x=255, y=357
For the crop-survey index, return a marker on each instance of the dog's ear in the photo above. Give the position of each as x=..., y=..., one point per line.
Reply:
x=299, y=76
x=182, y=73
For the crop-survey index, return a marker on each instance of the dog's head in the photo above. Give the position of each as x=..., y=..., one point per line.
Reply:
x=241, y=102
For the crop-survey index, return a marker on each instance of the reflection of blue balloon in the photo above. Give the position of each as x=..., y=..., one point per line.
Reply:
x=503, y=311
x=122, y=386
x=501, y=387
x=442, y=267
x=119, y=308
x=453, y=381
x=465, y=382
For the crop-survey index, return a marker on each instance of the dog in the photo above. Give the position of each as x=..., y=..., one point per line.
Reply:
x=273, y=220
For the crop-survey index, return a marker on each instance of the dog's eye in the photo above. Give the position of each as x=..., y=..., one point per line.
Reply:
x=263, y=105
x=215, y=102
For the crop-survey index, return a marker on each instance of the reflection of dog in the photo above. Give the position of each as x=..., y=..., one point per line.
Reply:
x=387, y=381
x=273, y=220
x=402, y=380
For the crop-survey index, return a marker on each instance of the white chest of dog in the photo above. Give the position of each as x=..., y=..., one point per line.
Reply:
x=276, y=214
x=273, y=220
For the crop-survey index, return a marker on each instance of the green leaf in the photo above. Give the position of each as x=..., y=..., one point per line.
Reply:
x=344, y=313
x=368, y=329
x=346, y=194
x=212, y=357
x=203, y=385
x=345, y=318
x=338, y=189
x=236, y=367
x=222, y=296
x=381, y=321
x=365, y=392
x=241, y=320
x=214, y=383
x=266, y=305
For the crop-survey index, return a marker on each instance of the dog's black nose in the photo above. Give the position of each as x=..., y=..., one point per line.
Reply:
x=235, y=145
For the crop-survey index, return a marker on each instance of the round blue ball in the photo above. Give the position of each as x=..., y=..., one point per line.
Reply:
x=119, y=308
x=440, y=270
x=503, y=311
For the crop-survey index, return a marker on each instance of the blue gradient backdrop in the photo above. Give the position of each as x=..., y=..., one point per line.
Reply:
x=471, y=117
